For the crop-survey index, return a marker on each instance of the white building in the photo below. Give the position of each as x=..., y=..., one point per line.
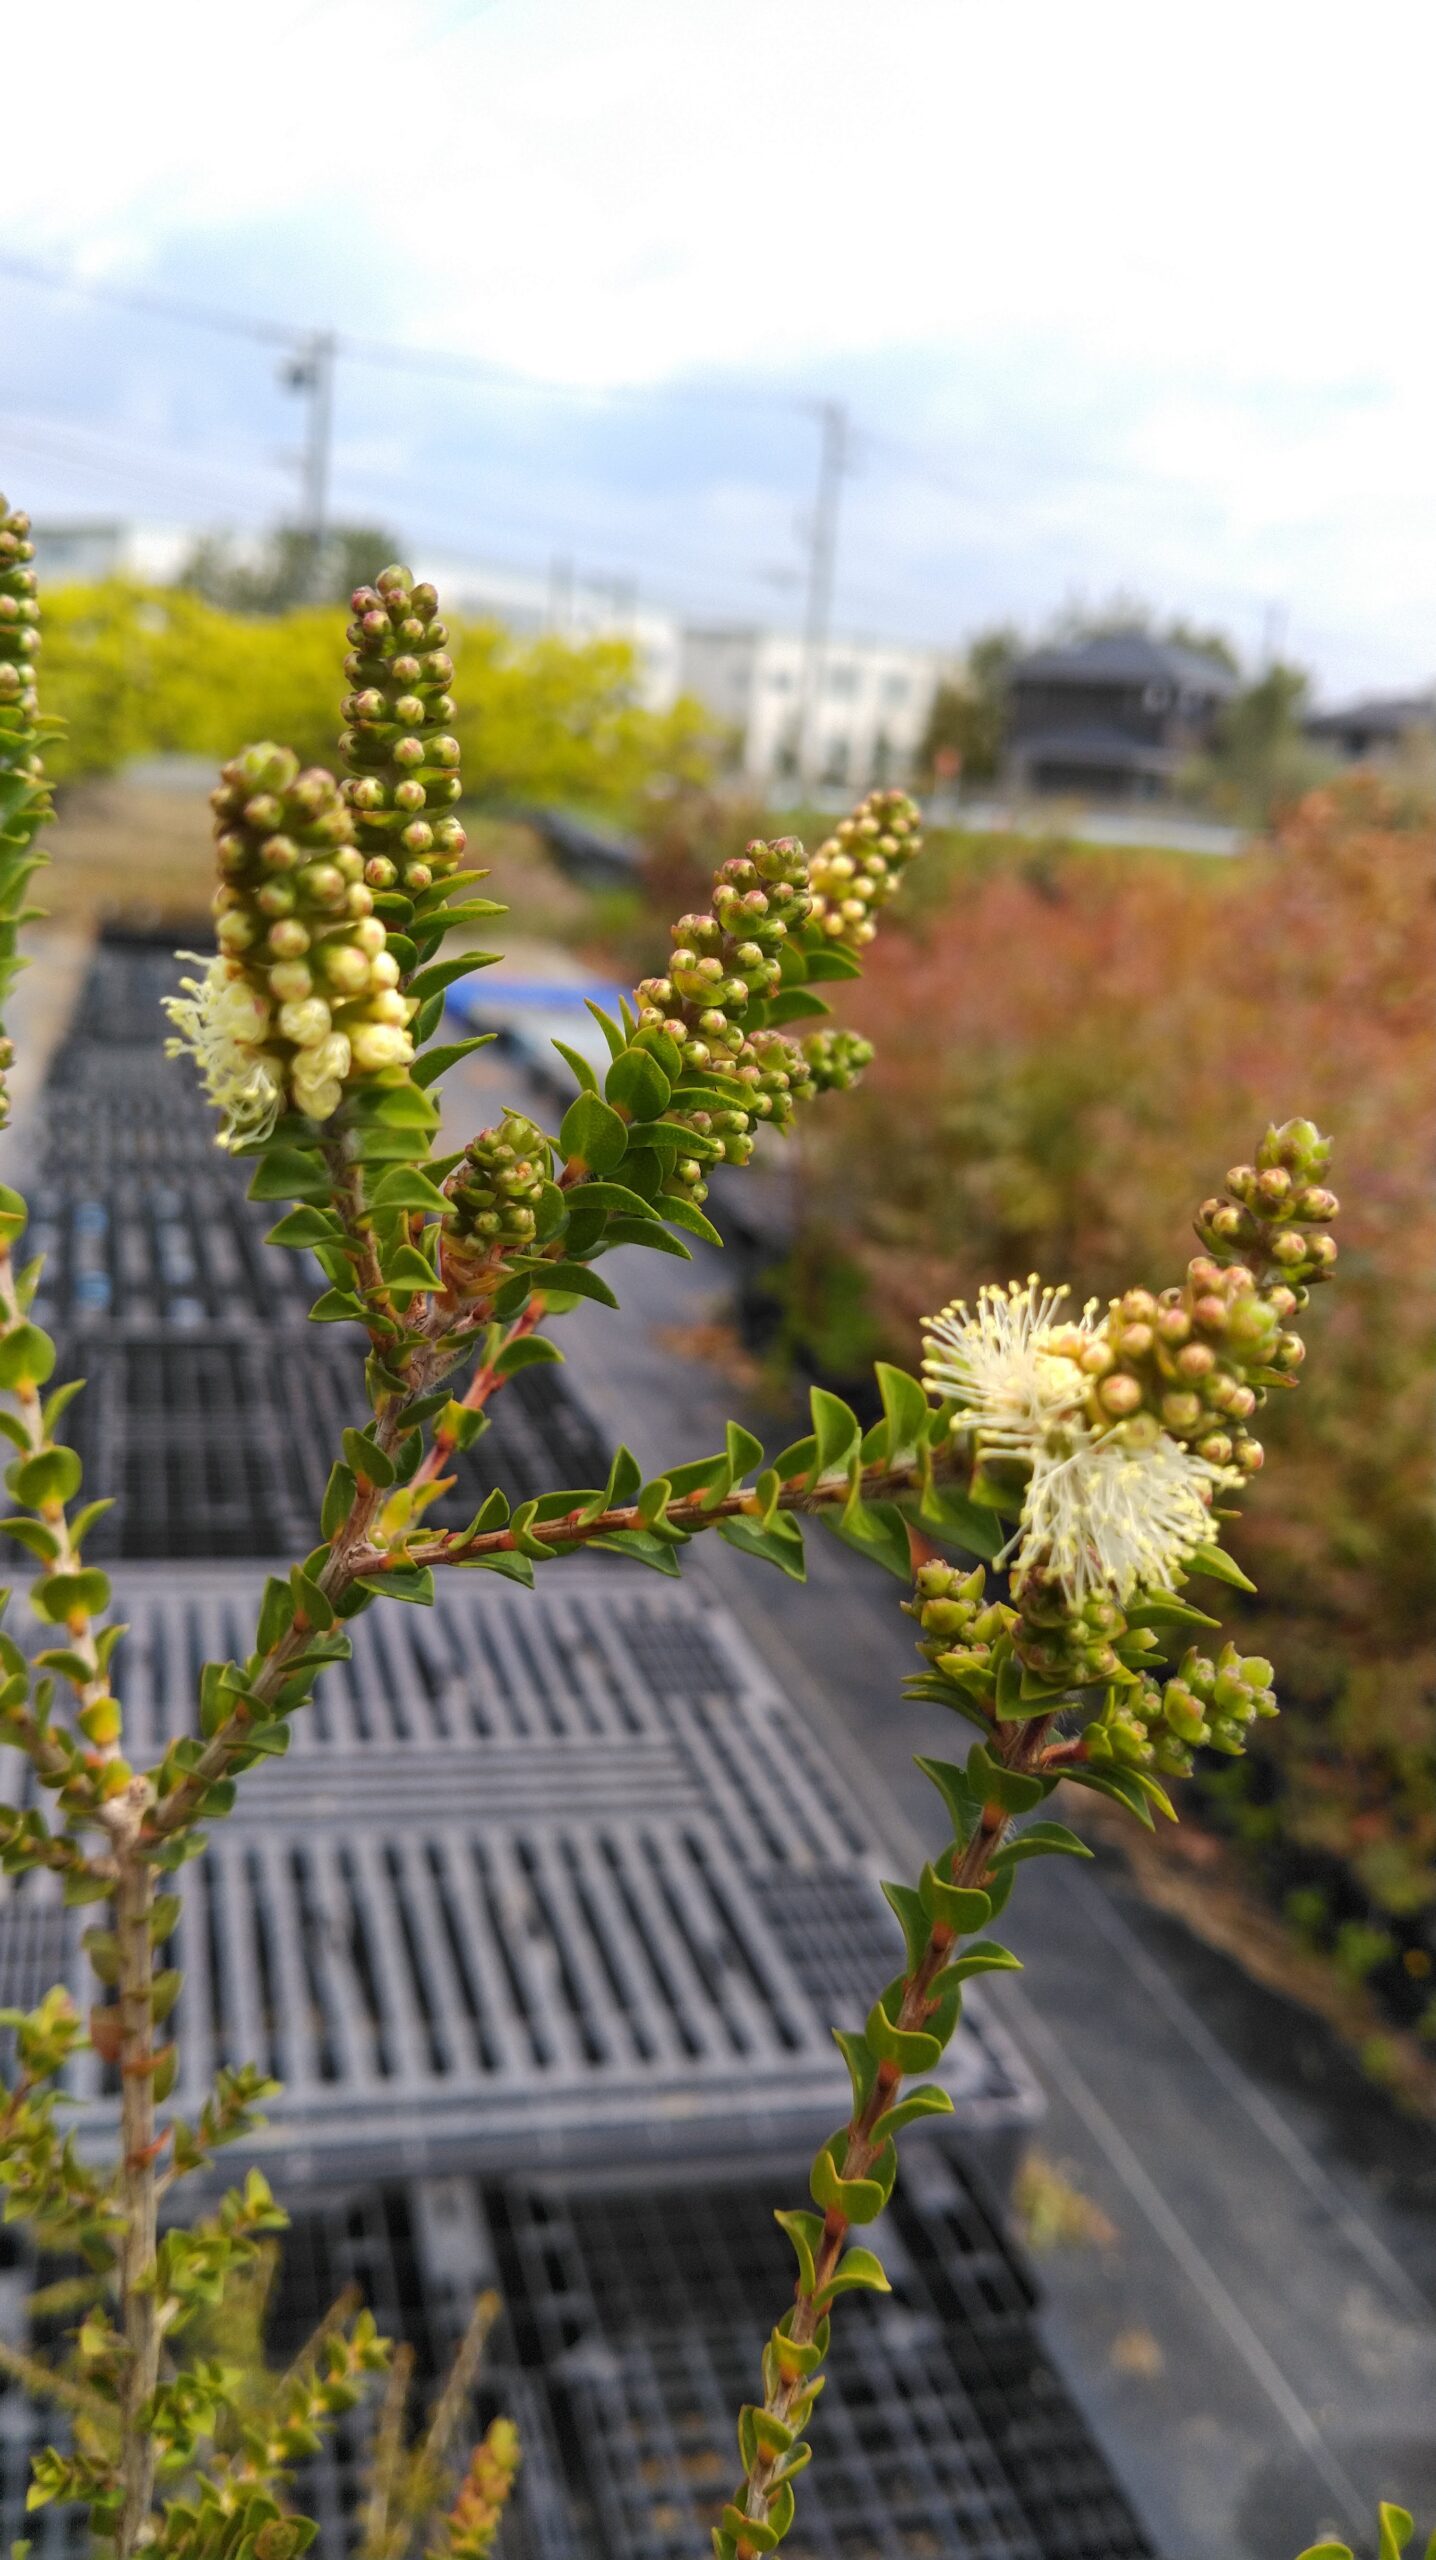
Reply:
x=864, y=725
x=571, y=606
x=83, y=550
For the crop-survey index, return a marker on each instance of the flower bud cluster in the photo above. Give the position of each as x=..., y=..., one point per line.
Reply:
x=836, y=1059
x=27, y=801
x=959, y=1625
x=1195, y=1362
x=1158, y=1724
x=305, y=995
x=1273, y=1214
x=721, y=963
x=497, y=1185
x=1069, y=1648
x=19, y=614
x=1181, y=1362
x=398, y=746
x=861, y=866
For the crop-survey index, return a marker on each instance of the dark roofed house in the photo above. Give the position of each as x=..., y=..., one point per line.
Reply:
x=1376, y=726
x=1116, y=716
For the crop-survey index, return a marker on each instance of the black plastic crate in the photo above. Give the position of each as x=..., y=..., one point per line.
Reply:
x=632, y=2327
x=646, y=2312
x=387, y=2244
x=107, y=1112
x=162, y=1247
x=124, y=988
x=216, y=1441
x=511, y=1896
x=212, y=1441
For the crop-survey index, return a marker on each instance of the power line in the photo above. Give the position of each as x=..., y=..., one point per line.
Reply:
x=380, y=351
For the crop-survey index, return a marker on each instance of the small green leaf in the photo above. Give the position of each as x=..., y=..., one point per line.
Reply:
x=858, y=2269
x=592, y=1134
x=445, y=973
x=636, y=1083
x=407, y=1269
x=51, y=1475
x=276, y=1615
x=306, y=1227
x=927, y=2101
x=571, y=1279
x=1164, y=1609
x=1218, y=1566
x=338, y=1306
x=916, y=1926
x=56, y=1403
x=575, y=1059
x=960, y=1522
x=282, y=1173
x=1041, y=1840
x=645, y=1546
x=687, y=1215
x=861, y=2199
x=527, y=1353
x=905, y=1409
x=960, y=1907
x=42, y=1542
x=963, y=1805
x=793, y=1004
x=781, y=1543
x=983, y=1956
x=837, y=1433
x=1014, y=1789
x=876, y=1529
x=437, y=1062
x=412, y=1582
x=407, y=1188
x=27, y=1356
x=339, y=1496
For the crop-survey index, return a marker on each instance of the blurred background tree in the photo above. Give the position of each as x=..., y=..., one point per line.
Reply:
x=136, y=672
x=968, y=717
x=285, y=571
x=1261, y=758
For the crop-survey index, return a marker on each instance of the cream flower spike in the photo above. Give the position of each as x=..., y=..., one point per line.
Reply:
x=1112, y=1517
x=1106, y=1509
x=221, y=1023
x=1013, y=1367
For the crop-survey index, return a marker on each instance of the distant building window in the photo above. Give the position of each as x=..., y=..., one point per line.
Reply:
x=895, y=689
x=780, y=681
x=842, y=684
x=835, y=760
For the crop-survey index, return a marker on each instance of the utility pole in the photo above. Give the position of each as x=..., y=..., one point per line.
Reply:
x=822, y=555
x=311, y=372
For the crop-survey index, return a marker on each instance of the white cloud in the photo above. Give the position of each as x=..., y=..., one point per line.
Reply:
x=1195, y=244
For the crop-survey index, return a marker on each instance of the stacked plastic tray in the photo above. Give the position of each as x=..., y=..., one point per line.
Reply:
x=634, y=2316
x=552, y=1876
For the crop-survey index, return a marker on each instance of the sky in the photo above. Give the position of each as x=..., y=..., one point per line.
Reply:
x=1118, y=298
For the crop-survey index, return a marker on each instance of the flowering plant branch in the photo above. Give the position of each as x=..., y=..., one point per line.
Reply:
x=1080, y=1467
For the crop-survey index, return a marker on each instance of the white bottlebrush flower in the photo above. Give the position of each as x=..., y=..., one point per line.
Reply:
x=1114, y=1514
x=1012, y=1367
x=1108, y=1507
x=222, y=1022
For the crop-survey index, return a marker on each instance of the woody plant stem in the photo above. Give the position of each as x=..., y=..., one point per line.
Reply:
x=352, y=1558
x=131, y=2046
x=1020, y=1748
